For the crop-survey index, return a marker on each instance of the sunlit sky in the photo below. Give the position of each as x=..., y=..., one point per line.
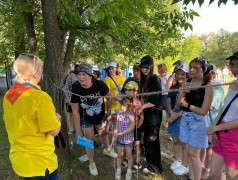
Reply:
x=212, y=18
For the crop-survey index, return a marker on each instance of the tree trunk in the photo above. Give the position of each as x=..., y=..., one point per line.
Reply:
x=69, y=51
x=53, y=64
x=21, y=44
x=30, y=28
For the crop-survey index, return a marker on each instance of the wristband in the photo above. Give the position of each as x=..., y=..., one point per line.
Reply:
x=188, y=107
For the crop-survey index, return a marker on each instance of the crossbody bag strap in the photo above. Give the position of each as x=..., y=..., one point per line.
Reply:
x=225, y=111
x=114, y=81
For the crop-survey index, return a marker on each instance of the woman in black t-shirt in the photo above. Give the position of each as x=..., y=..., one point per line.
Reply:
x=195, y=104
x=152, y=107
x=90, y=111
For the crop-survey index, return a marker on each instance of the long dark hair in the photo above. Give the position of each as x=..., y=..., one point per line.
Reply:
x=146, y=79
x=206, y=67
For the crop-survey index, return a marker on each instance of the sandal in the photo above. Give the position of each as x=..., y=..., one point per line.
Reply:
x=136, y=167
x=124, y=164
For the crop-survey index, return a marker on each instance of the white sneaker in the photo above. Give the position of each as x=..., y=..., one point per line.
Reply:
x=83, y=158
x=175, y=165
x=147, y=171
x=118, y=174
x=170, y=138
x=128, y=175
x=93, y=169
x=181, y=170
x=111, y=154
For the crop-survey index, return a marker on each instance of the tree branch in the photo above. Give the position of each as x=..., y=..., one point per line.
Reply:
x=112, y=36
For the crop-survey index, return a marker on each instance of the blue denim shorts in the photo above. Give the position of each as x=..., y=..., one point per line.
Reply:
x=86, y=123
x=119, y=144
x=193, y=130
x=174, y=128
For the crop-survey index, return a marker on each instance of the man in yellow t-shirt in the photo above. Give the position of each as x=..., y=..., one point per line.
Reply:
x=114, y=83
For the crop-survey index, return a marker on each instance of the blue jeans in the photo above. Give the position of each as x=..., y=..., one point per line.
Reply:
x=53, y=176
x=164, y=97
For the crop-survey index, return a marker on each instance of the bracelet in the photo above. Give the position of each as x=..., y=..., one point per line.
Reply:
x=188, y=107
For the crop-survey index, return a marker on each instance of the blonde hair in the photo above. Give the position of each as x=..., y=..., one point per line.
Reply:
x=24, y=66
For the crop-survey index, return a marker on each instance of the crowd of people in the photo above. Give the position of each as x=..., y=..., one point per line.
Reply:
x=204, y=132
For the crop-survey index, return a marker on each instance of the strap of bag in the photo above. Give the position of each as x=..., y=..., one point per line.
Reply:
x=225, y=111
x=114, y=81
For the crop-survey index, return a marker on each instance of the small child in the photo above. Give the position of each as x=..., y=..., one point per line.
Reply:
x=131, y=89
x=164, y=76
x=175, y=112
x=124, y=134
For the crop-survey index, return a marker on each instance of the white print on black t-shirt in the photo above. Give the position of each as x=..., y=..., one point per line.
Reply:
x=91, y=105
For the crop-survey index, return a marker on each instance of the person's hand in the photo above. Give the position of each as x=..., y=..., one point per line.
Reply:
x=79, y=133
x=211, y=130
x=211, y=108
x=179, y=114
x=116, y=135
x=187, y=86
x=139, y=111
x=58, y=117
x=172, y=117
x=108, y=116
x=153, y=138
x=183, y=102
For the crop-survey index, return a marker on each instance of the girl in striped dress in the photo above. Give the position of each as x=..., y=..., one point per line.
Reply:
x=124, y=134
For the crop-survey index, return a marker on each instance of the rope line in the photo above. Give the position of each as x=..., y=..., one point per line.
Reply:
x=151, y=93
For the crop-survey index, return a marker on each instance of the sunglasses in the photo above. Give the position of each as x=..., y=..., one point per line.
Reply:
x=33, y=56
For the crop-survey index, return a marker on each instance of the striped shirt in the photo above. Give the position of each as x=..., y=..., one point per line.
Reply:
x=124, y=124
x=71, y=79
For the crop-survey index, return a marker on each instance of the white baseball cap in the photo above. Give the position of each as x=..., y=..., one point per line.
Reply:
x=112, y=64
x=183, y=67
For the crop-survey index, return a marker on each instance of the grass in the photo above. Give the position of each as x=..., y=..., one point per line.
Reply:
x=75, y=170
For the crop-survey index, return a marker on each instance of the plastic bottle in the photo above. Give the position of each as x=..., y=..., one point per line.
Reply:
x=71, y=144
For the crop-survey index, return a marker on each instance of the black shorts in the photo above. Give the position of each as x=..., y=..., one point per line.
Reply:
x=68, y=107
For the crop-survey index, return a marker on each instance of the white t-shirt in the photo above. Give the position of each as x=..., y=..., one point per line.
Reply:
x=232, y=113
x=163, y=82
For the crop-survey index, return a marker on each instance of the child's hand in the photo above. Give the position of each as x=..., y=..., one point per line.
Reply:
x=117, y=135
x=172, y=117
x=178, y=114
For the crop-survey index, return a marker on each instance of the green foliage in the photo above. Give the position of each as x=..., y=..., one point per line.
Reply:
x=218, y=46
x=186, y=2
x=105, y=30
